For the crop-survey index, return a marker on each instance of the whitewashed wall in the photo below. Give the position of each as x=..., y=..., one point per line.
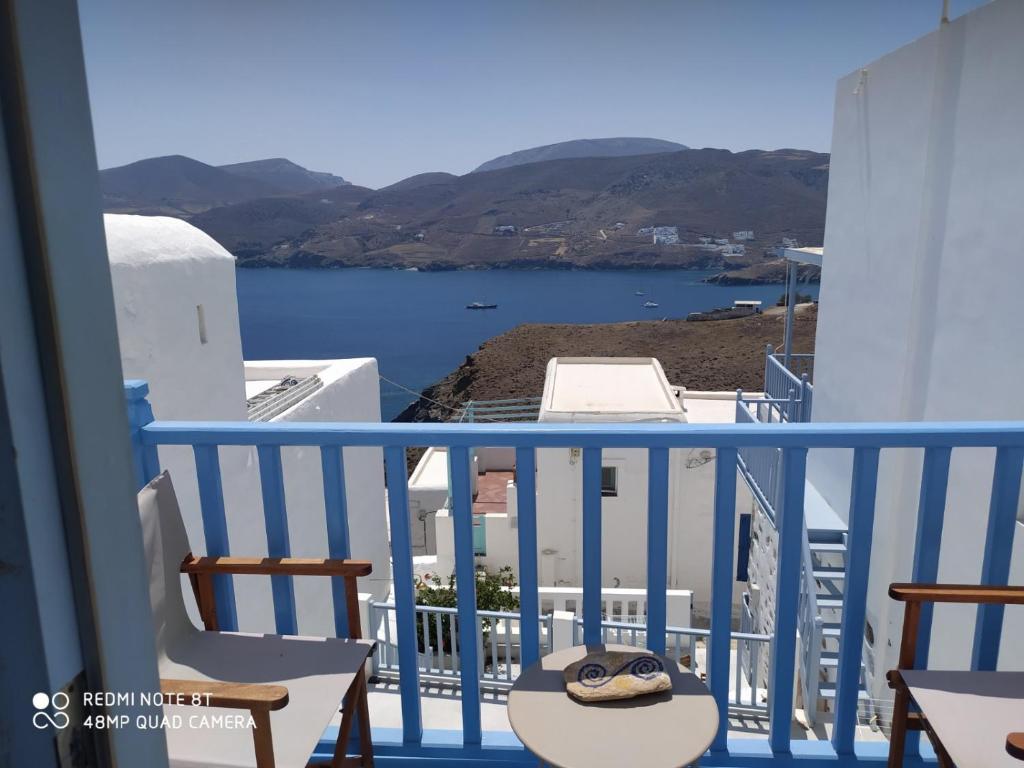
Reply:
x=624, y=521
x=162, y=269
x=920, y=298
x=351, y=392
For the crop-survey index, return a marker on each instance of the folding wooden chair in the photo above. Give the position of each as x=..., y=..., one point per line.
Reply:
x=291, y=687
x=973, y=719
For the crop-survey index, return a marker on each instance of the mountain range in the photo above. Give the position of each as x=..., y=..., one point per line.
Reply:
x=617, y=147
x=176, y=185
x=592, y=212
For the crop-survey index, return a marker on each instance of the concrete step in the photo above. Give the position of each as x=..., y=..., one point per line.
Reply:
x=829, y=601
x=828, y=547
x=830, y=629
x=829, y=574
x=829, y=692
x=831, y=659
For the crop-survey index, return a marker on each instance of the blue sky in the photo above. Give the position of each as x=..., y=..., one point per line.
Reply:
x=378, y=90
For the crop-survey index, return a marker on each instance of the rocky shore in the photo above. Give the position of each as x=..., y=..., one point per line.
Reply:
x=721, y=355
x=765, y=273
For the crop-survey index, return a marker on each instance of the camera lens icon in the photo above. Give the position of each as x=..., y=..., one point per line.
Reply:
x=42, y=718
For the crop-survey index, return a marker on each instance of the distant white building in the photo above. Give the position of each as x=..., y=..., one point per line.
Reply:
x=177, y=320
x=601, y=390
x=660, y=234
x=743, y=234
x=790, y=242
x=721, y=241
x=704, y=240
x=666, y=235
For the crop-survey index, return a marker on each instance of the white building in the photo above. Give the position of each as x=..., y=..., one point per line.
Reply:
x=743, y=234
x=607, y=390
x=177, y=318
x=665, y=235
x=920, y=314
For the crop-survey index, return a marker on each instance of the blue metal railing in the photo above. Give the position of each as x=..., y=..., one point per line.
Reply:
x=760, y=466
x=495, y=411
x=793, y=439
x=790, y=386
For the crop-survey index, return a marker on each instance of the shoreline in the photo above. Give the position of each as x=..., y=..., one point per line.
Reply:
x=720, y=355
x=720, y=276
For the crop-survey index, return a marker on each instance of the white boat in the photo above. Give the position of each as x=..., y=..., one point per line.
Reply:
x=650, y=304
x=638, y=293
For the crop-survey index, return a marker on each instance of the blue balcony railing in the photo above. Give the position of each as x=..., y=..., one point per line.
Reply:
x=471, y=744
x=496, y=411
x=788, y=385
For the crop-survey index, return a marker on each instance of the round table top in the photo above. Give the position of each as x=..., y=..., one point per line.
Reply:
x=662, y=730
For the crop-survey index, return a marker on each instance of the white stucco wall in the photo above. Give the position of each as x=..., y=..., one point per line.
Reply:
x=919, y=309
x=162, y=269
x=624, y=521
x=351, y=392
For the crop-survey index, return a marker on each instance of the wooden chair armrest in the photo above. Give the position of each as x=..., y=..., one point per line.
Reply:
x=276, y=566
x=208, y=693
x=1015, y=745
x=956, y=593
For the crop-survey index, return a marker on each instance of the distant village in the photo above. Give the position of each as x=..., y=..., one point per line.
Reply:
x=660, y=235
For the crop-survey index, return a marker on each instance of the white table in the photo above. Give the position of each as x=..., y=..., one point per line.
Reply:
x=663, y=730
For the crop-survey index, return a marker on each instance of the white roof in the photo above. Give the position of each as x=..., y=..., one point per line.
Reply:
x=746, y=303
x=140, y=240
x=805, y=255
x=608, y=389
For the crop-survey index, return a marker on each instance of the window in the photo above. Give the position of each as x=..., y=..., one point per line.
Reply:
x=609, y=481
x=201, y=318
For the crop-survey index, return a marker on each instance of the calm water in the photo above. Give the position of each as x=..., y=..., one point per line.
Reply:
x=416, y=324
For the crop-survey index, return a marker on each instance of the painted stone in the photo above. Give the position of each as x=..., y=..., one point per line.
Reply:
x=609, y=675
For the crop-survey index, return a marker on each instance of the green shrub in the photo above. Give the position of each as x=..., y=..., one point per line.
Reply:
x=492, y=594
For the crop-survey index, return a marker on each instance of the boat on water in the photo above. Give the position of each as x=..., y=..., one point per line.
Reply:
x=639, y=293
x=650, y=304
x=481, y=305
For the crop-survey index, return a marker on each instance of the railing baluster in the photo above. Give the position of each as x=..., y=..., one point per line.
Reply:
x=454, y=644
x=738, y=677
x=405, y=604
x=931, y=511
x=332, y=465
x=276, y=520
x=526, y=506
x=428, y=648
x=721, y=588
x=493, y=649
x=657, y=547
x=386, y=649
x=787, y=589
x=465, y=585
x=863, y=486
x=755, y=664
x=995, y=569
x=508, y=647
x=215, y=530
x=592, y=546
x=440, y=641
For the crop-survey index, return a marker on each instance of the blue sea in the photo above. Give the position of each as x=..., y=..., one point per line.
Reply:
x=416, y=323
